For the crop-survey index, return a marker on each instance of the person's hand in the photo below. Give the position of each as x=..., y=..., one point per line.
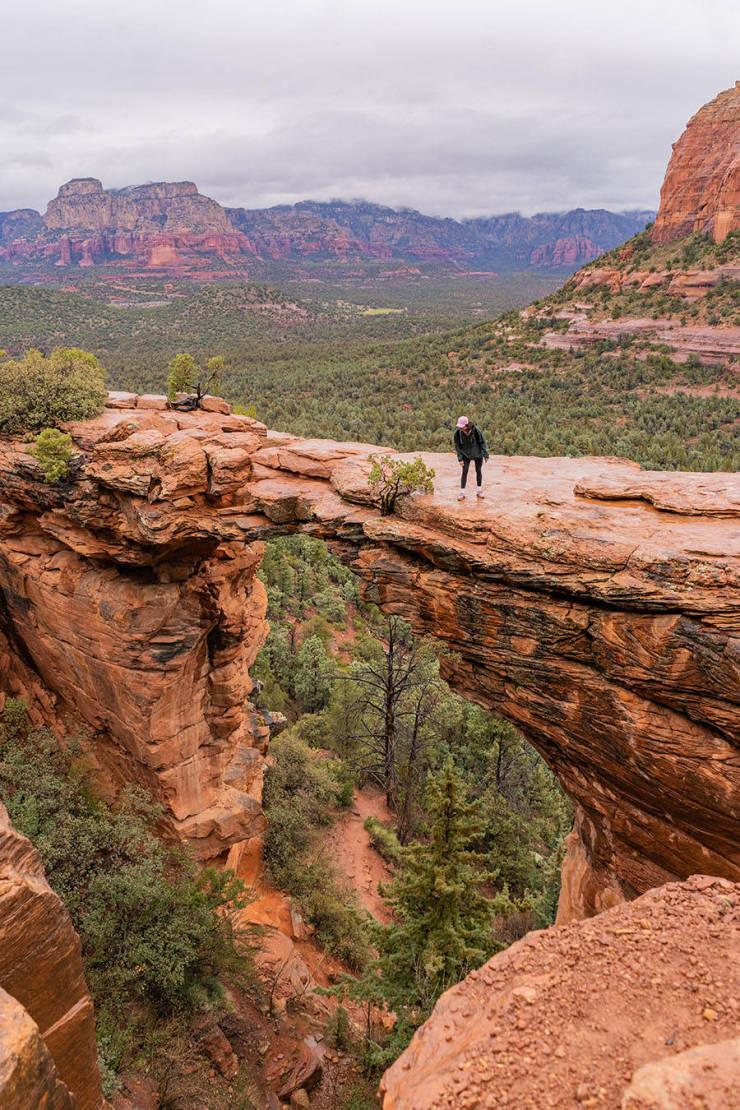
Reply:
x=461, y=462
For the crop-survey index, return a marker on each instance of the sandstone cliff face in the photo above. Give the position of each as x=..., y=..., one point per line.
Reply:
x=163, y=226
x=135, y=599
x=28, y=1076
x=591, y=603
x=701, y=191
x=565, y=252
x=167, y=208
x=633, y=1010
x=47, y=1030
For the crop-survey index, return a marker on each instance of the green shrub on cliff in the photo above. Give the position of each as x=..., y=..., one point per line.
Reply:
x=155, y=935
x=39, y=392
x=53, y=451
x=392, y=479
x=185, y=376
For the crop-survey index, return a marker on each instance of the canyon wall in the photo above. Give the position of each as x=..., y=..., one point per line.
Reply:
x=594, y=605
x=47, y=1030
x=701, y=191
x=140, y=611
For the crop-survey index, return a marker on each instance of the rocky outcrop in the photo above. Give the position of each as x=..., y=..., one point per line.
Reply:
x=709, y=342
x=162, y=208
x=564, y=253
x=688, y=284
x=47, y=1030
x=28, y=1076
x=134, y=597
x=591, y=603
x=163, y=226
x=633, y=1010
x=701, y=191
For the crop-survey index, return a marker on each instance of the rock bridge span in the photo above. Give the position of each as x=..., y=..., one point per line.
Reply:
x=594, y=605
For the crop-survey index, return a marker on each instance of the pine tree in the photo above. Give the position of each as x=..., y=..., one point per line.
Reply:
x=313, y=678
x=441, y=925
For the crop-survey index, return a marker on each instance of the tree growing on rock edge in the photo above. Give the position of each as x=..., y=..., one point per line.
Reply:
x=185, y=376
x=393, y=479
x=39, y=392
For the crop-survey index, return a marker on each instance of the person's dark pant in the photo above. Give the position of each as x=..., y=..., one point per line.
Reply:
x=478, y=472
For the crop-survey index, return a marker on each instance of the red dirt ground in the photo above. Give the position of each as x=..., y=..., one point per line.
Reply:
x=349, y=847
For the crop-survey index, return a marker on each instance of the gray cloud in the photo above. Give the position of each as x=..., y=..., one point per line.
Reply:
x=459, y=109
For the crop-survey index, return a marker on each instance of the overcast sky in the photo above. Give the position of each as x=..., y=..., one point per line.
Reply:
x=462, y=108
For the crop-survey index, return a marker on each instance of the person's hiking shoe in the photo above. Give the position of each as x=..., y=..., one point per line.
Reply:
x=480, y=494
x=461, y=496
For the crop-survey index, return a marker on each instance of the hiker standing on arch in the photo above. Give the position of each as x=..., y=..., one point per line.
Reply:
x=471, y=446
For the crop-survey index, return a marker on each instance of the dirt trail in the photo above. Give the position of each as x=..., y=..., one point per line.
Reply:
x=348, y=844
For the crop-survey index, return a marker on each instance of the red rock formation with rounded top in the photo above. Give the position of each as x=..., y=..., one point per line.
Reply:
x=41, y=968
x=593, y=604
x=701, y=191
x=635, y=1009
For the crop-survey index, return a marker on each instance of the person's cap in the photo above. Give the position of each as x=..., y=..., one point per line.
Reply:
x=462, y=422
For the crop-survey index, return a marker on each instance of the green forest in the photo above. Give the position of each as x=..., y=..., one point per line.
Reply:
x=367, y=706
x=397, y=365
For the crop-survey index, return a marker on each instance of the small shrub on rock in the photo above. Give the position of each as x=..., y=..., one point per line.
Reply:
x=185, y=376
x=392, y=479
x=383, y=840
x=38, y=392
x=53, y=452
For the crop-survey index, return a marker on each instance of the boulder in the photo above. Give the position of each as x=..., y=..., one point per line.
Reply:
x=220, y=1052
x=41, y=967
x=707, y=1076
x=29, y=1079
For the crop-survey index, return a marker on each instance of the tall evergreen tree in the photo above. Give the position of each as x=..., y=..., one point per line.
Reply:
x=441, y=926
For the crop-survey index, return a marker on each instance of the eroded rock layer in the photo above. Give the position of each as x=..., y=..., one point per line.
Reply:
x=28, y=1077
x=635, y=1009
x=595, y=605
x=701, y=191
x=47, y=1030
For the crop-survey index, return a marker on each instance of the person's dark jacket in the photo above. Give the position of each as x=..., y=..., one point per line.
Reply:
x=470, y=445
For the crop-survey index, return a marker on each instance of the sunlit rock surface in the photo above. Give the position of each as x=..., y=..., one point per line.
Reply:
x=701, y=191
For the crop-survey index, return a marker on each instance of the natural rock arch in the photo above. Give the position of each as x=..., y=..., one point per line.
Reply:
x=594, y=605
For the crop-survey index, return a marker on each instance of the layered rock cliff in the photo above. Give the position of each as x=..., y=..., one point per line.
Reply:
x=701, y=191
x=47, y=1031
x=171, y=227
x=591, y=603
